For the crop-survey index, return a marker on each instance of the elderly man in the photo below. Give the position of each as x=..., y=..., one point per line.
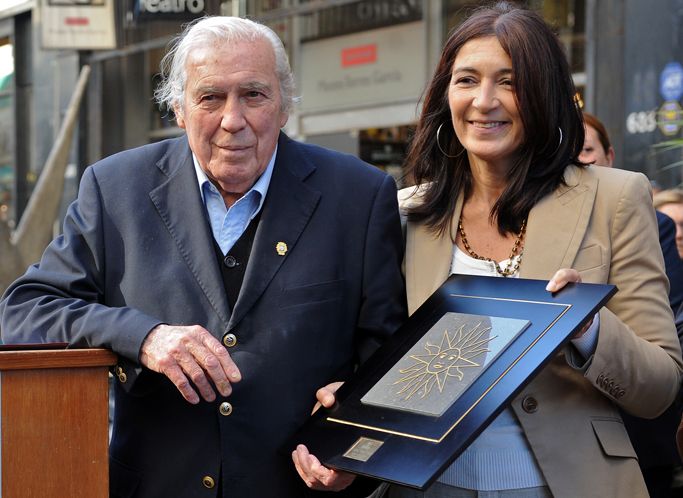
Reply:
x=233, y=270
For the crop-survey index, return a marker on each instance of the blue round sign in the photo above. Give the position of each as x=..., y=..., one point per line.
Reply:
x=671, y=81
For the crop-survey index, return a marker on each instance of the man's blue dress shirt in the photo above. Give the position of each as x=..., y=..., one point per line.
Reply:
x=228, y=225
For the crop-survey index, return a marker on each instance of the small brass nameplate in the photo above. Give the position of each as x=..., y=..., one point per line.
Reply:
x=363, y=449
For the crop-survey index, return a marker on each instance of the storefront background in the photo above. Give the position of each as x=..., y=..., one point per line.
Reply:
x=360, y=67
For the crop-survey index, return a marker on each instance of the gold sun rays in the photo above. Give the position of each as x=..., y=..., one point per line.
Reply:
x=444, y=361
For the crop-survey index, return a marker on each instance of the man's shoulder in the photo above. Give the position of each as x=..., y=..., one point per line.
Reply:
x=144, y=155
x=332, y=161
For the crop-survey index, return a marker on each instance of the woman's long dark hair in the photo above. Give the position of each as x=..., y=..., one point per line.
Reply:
x=545, y=95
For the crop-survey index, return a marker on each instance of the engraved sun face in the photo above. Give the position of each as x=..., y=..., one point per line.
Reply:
x=444, y=361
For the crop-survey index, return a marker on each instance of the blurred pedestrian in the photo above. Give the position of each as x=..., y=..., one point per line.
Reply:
x=670, y=202
x=597, y=148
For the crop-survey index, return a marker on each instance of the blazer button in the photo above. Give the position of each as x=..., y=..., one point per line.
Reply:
x=230, y=261
x=529, y=404
x=225, y=408
x=230, y=340
x=208, y=482
x=122, y=377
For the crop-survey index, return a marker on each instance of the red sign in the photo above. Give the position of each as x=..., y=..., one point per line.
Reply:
x=363, y=54
x=76, y=21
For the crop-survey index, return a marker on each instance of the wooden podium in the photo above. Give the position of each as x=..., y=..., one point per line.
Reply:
x=54, y=423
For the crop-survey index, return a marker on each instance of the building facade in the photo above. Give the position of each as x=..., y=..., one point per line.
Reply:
x=360, y=67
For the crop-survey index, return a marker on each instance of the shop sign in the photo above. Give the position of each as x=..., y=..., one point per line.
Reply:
x=77, y=24
x=367, y=68
x=670, y=118
x=155, y=10
x=671, y=81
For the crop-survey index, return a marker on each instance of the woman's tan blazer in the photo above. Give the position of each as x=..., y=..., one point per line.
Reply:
x=602, y=224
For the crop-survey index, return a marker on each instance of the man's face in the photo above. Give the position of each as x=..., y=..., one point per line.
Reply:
x=231, y=113
x=674, y=211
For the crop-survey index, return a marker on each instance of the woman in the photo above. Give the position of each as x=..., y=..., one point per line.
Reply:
x=501, y=192
x=597, y=148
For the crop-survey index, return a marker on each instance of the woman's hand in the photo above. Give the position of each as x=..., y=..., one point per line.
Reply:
x=560, y=279
x=325, y=396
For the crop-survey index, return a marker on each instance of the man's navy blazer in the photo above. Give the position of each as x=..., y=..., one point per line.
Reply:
x=137, y=251
x=672, y=260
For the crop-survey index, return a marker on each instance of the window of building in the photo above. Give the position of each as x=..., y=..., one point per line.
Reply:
x=386, y=148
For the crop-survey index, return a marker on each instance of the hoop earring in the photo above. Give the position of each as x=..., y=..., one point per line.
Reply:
x=438, y=144
x=558, y=143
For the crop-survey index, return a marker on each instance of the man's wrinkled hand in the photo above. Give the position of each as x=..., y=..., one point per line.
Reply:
x=190, y=355
x=314, y=474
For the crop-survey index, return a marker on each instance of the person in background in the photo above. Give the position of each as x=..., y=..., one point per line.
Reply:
x=653, y=440
x=233, y=271
x=500, y=191
x=597, y=148
x=670, y=202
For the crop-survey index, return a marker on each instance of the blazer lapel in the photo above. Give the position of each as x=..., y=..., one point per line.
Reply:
x=289, y=205
x=557, y=225
x=428, y=259
x=180, y=207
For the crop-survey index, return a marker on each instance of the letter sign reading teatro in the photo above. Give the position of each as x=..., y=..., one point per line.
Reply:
x=165, y=9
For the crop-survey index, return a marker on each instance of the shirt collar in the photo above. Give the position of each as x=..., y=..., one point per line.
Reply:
x=261, y=185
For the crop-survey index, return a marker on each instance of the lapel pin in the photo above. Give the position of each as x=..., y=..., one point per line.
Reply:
x=281, y=248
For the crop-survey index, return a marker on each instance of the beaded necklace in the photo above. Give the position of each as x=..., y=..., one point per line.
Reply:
x=512, y=267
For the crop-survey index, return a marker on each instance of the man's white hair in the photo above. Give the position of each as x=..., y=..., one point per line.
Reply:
x=208, y=30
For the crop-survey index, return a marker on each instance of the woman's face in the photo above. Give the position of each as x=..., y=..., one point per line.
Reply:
x=484, y=111
x=593, y=152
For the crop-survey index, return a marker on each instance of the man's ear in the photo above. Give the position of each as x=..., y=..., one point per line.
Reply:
x=610, y=156
x=179, y=116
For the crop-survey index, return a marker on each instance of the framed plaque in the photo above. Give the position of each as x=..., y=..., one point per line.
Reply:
x=429, y=391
